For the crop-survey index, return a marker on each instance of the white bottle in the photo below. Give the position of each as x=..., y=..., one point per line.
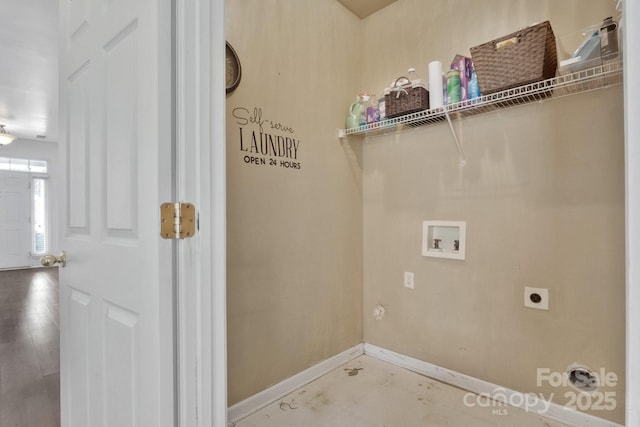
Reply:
x=412, y=75
x=436, y=90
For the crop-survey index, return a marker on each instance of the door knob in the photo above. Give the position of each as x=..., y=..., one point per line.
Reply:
x=48, y=260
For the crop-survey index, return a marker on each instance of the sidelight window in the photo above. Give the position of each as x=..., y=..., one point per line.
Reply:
x=39, y=216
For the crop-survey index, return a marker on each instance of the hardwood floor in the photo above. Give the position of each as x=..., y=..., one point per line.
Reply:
x=29, y=348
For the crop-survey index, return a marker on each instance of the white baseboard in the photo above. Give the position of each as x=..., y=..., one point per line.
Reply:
x=258, y=401
x=475, y=385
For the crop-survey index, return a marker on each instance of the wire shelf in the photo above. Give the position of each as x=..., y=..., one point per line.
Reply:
x=607, y=75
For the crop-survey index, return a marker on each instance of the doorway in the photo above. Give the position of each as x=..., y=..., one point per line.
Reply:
x=205, y=348
x=24, y=212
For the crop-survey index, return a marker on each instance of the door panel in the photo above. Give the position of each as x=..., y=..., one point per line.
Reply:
x=116, y=290
x=120, y=365
x=78, y=11
x=120, y=55
x=78, y=357
x=79, y=197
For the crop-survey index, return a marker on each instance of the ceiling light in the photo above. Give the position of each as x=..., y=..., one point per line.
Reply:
x=5, y=138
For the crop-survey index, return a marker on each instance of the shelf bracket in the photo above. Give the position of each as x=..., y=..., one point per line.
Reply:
x=455, y=137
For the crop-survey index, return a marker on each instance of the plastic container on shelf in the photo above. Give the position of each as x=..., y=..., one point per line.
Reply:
x=373, y=113
x=454, y=91
x=586, y=56
x=365, y=100
x=474, y=89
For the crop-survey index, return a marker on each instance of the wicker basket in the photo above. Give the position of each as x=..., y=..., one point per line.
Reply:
x=526, y=56
x=404, y=99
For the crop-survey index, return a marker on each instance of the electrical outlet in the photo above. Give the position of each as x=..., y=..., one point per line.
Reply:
x=536, y=298
x=408, y=279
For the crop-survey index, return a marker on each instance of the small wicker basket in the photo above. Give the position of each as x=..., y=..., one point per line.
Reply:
x=401, y=99
x=525, y=56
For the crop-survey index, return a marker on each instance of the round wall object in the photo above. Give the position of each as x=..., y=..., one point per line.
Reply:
x=582, y=378
x=233, y=69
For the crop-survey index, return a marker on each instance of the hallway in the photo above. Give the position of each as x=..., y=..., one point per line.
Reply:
x=29, y=348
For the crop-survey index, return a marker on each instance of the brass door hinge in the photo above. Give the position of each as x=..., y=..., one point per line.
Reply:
x=177, y=220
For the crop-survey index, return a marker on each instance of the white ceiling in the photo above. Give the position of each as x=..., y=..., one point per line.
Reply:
x=29, y=64
x=29, y=68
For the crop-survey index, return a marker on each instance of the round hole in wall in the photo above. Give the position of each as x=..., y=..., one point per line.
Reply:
x=582, y=379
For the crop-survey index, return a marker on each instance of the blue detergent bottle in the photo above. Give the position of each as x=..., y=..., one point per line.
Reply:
x=474, y=88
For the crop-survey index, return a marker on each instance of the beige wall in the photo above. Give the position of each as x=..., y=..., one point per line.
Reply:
x=295, y=235
x=542, y=193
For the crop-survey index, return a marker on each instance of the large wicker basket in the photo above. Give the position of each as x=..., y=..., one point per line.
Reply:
x=526, y=56
x=406, y=98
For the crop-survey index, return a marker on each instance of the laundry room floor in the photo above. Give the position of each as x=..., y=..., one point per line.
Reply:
x=368, y=392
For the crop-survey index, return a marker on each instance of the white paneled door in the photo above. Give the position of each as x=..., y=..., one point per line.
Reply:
x=15, y=211
x=117, y=365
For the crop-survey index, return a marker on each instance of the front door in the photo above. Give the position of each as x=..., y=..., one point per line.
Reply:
x=117, y=364
x=15, y=213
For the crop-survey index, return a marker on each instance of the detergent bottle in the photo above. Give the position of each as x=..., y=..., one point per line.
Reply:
x=358, y=112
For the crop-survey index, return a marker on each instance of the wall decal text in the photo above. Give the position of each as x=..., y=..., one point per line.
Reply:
x=266, y=148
